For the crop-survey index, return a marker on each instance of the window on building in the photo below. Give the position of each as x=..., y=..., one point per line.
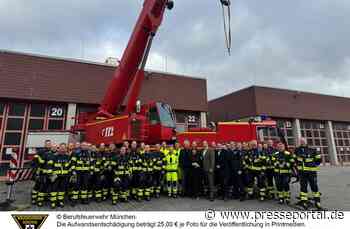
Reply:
x=273, y=132
x=317, y=142
x=291, y=141
x=307, y=125
x=324, y=142
x=308, y=134
x=12, y=138
x=14, y=124
x=323, y=134
x=310, y=142
x=17, y=109
x=339, y=134
x=280, y=124
x=56, y=116
x=4, y=168
x=2, y=108
x=55, y=124
x=180, y=117
x=316, y=133
x=37, y=110
x=36, y=124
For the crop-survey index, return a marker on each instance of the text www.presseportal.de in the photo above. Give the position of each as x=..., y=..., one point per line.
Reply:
x=281, y=215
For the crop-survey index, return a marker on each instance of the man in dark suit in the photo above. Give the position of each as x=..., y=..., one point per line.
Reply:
x=185, y=165
x=209, y=167
x=219, y=169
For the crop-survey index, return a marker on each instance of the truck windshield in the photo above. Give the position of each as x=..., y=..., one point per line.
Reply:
x=166, y=115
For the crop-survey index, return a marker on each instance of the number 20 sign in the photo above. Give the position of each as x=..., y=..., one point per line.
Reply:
x=56, y=112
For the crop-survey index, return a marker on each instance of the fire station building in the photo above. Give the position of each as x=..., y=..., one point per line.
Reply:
x=322, y=119
x=46, y=93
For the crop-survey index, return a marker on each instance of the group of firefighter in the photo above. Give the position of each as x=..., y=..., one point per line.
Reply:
x=83, y=172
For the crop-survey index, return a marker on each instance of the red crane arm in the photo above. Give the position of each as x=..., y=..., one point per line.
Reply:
x=135, y=55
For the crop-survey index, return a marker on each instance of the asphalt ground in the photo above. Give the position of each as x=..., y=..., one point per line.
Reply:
x=334, y=183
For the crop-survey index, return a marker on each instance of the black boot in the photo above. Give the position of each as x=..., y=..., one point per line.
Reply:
x=303, y=203
x=281, y=201
x=242, y=198
x=73, y=203
x=318, y=206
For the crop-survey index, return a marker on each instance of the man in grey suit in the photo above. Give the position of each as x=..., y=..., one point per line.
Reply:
x=208, y=167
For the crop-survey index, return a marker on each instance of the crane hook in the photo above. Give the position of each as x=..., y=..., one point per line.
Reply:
x=226, y=9
x=170, y=4
x=225, y=2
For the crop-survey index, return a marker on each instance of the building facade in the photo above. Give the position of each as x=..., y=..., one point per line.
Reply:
x=45, y=93
x=322, y=119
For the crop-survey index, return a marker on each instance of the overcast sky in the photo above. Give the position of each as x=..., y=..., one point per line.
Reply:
x=299, y=44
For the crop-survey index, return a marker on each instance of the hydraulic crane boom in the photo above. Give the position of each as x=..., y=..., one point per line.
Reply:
x=135, y=55
x=152, y=122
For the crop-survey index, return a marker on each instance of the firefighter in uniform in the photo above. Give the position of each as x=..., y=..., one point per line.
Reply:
x=147, y=169
x=177, y=148
x=81, y=173
x=38, y=163
x=269, y=151
x=48, y=171
x=171, y=161
x=142, y=148
x=45, y=184
x=158, y=171
x=308, y=162
x=107, y=171
x=164, y=148
x=136, y=161
x=255, y=162
x=122, y=175
x=283, y=164
x=59, y=172
x=116, y=178
x=98, y=169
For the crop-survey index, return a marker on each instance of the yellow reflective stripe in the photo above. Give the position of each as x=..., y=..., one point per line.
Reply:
x=255, y=168
x=58, y=172
x=316, y=194
x=40, y=160
x=82, y=168
x=282, y=170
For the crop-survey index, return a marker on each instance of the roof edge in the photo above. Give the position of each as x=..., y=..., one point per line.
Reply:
x=82, y=61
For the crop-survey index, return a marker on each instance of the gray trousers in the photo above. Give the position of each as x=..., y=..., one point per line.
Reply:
x=209, y=183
